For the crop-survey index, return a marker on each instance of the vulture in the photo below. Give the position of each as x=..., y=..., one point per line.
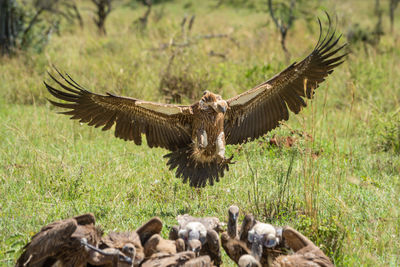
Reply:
x=263, y=236
x=233, y=215
x=196, y=135
x=200, y=236
x=71, y=242
x=235, y=248
x=306, y=253
x=263, y=239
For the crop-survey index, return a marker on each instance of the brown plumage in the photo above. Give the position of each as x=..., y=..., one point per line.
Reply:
x=306, y=253
x=248, y=261
x=181, y=259
x=148, y=229
x=202, y=261
x=157, y=246
x=70, y=242
x=197, y=134
x=234, y=248
x=126, y=242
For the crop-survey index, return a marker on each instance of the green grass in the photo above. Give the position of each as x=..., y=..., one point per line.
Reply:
x=345, y=199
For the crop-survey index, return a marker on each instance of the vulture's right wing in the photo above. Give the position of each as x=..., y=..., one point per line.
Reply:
x=164, y=125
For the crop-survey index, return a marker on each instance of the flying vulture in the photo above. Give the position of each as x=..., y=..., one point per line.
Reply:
x=197, y=134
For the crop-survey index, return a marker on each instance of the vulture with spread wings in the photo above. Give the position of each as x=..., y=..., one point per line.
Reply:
x=197, y=134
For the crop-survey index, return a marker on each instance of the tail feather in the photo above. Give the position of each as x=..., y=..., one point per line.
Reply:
x=197, y=173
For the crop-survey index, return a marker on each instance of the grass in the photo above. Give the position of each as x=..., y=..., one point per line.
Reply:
x=340, y=188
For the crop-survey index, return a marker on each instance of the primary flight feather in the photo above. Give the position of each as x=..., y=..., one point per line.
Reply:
x=197, y=134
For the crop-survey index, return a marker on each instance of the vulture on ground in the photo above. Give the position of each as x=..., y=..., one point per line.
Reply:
x=233, y=215
x=70, y=242
x=306, y=253
x=197, y=134
x=200, y=235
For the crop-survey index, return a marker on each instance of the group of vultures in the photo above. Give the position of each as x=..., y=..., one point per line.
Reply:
x=193, y=242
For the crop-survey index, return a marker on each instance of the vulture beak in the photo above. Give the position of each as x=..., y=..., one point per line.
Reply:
x=234, y=217
x=222, y=108
x=125, y=259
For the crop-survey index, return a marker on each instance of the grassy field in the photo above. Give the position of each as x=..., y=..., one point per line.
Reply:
x=341, y=187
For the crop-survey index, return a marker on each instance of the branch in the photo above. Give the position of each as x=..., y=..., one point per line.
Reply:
x=271, y=12
x=31, y=23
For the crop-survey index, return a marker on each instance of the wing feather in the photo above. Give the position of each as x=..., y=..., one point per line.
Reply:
x=164, y=125
x=259, y=110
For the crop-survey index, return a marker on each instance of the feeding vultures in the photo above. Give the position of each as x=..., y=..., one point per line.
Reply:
x=197, y=134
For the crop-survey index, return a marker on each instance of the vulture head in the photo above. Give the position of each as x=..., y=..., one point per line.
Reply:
x=193, y=231
x=213, y=101
x=262, y=235
x=128, y=243
x=109, y=256
x=233, y=214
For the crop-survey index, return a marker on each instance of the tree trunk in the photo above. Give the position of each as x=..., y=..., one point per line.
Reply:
x=8, y=26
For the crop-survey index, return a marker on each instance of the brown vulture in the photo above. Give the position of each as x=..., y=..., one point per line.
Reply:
x=72, y=242
x=197, y=134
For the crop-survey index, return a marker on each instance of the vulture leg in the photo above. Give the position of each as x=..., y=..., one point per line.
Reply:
x=202, y=138
x=221, y=146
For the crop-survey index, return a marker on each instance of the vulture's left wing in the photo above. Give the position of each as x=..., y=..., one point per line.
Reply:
x=259, y=110
x=164, y=125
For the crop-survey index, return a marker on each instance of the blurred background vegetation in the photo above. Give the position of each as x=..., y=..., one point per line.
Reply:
x=332, y=172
